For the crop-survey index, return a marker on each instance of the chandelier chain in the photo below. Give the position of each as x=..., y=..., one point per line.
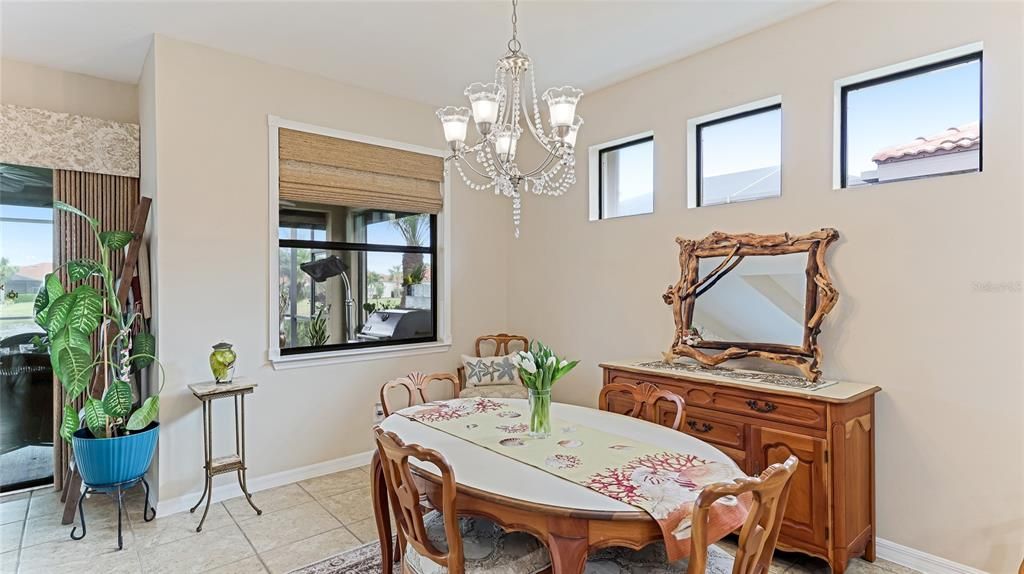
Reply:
x=514, y=45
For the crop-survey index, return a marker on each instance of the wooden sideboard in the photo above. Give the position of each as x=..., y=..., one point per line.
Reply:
x=831, y=509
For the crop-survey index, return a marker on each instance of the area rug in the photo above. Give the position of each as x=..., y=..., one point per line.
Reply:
x=362, y=560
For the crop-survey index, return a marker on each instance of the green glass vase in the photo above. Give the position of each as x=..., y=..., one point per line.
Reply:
x=222, y=362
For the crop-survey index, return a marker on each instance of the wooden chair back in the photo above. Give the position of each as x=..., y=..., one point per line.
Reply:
x=760, y=532
x=405, y=499
x=503, y=344
x=645, y=396
x=415, y=385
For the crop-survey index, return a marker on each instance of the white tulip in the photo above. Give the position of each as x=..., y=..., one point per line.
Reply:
x=530, y=367
x=550, y=362
x=563, y=364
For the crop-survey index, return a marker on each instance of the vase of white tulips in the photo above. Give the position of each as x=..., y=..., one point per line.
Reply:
x=539, y=368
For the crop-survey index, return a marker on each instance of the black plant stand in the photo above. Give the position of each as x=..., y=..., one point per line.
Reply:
x=117, y=490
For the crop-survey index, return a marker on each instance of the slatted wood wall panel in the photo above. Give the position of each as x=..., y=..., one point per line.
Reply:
x=111, y=199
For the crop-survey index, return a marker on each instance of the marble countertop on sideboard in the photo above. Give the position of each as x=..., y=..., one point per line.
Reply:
x=832, y=391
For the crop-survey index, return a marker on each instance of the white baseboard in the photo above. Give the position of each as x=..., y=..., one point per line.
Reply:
x=920, y=561
x=256, y=484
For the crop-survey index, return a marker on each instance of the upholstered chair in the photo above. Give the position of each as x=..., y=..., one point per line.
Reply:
x=758, y=536
x=489, y=374
x=443, y=542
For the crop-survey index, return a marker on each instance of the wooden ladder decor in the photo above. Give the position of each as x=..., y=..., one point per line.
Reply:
x=73, y=482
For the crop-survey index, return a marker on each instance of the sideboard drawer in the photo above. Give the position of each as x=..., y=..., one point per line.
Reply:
x=714, y=430
x=803, y=413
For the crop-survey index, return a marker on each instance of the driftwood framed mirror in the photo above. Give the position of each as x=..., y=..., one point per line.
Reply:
x=749, y=295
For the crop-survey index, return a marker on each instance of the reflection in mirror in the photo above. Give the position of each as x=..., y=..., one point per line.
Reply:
x=761, y=300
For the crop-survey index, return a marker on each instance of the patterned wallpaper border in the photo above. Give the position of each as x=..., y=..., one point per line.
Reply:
x=41, y=138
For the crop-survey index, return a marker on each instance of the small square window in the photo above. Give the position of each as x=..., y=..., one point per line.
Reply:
x=626, y=178
x=918, y=122
x=739, y=156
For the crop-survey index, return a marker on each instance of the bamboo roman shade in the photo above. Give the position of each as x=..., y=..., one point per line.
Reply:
x=322, y=169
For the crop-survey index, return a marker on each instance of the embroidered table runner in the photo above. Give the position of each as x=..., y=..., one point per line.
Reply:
x=662, y=482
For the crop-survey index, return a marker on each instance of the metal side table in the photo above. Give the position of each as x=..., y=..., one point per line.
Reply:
x=207, y=393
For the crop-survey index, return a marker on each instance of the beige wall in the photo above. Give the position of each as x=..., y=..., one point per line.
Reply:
x=915, y=316
x=35, y=86
x=213, y=258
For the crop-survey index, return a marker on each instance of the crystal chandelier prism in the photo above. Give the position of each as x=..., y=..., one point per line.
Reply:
x=500, y=110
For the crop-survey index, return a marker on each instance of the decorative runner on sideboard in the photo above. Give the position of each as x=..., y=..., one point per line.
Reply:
x=663, y=483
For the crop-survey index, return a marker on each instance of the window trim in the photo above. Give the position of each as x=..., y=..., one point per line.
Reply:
x=893, y=72
x=694, y=153
x=440, y=246
x=595, y=179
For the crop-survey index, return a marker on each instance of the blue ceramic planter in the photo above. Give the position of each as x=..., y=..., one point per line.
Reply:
x=109, y=461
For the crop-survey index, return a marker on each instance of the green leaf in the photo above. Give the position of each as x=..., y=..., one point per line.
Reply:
x=75, y=370
x=117, y=402
x=53, y=287
x=69, y=422
x=86, y=311
x=114, y=240
x=57, y=317
x=146, y=414
x=71, y=209
x=143, y=349
x=79, y=269
x=95, y=418
x=39, y=307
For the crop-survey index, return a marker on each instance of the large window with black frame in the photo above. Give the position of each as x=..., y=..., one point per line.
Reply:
x=355, y=277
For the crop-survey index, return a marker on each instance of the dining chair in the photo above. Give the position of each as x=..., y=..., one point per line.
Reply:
x=436, y=542
x=494, y=346
x=645, y=397
x=415, y=386
x=758, y=535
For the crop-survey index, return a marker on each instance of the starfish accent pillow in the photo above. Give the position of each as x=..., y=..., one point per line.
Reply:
x=482, y=371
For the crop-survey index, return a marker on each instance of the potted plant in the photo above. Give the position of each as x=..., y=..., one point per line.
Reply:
x=539, y=368
x=117, y=442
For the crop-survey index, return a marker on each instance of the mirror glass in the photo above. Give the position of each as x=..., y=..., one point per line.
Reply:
x=760, y=301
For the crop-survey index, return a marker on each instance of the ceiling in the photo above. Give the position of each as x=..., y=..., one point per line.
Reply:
x=424, y=51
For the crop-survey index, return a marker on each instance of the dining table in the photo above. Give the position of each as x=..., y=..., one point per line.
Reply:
x=572, y=520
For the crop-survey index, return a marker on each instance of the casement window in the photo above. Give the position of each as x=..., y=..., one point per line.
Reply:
x=357, y=254
x=622, y=177
x=912, y=120
x=735, y=155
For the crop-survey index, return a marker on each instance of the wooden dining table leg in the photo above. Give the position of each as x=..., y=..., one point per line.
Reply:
x=568, y=545
x=382, y=513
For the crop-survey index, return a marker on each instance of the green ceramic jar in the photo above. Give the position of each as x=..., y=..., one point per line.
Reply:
x=222, y=362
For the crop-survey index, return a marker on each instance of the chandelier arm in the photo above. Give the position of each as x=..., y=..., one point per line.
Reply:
x=469, y=164
x=469, y=181
x=544, y=166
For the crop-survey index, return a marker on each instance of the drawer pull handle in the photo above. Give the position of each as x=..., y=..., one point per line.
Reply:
x=699, y=427
x=766, y=408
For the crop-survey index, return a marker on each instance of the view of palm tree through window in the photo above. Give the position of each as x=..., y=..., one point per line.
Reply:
x=26, y=379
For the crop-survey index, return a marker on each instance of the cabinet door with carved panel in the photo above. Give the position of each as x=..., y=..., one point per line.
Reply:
x=806, y=522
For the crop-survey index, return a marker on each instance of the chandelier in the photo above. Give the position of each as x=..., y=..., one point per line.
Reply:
x=500, y=110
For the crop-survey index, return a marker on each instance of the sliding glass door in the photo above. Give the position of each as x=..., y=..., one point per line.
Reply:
x=26, y=380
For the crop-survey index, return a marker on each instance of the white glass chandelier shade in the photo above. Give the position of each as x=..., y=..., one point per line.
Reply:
x=562, y=105
x=504, y=110
x=574, y=129
x=485, y=99
x=505, y=141
x=454, y=121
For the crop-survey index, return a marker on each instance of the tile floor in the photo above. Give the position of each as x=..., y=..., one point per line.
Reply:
x=302, y=523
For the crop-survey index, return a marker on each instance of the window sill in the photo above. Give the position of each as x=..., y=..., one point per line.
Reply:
x=357, y=355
